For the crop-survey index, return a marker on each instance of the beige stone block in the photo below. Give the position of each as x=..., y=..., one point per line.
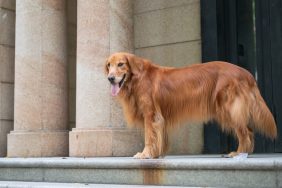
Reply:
x=6, y=101
x=5, y=128
x=54, y=71
x=127, y=142
x=186, y=139
x=93, y=92
x=28, y=92
x=166, y=26
x=53, y=38
x=105, y=142
x=121, y=26
x=7, y=65
x=175, y=55
x=7, y=27
x=55, y=144
x=116, y=114
x=8, y=4
x=37, y=144
x=93, y=29
x=90, y=143
x=54, y=109
x=92, y=98
x=54, y=5
x=29, y=37
x=71, y=11
x=141, y=6
x=72, y=105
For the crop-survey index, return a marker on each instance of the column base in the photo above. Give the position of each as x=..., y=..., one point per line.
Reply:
x=5, y=128
x=105, y=142
x=38, y=144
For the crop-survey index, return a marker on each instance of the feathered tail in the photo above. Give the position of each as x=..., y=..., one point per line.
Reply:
x=263, y=119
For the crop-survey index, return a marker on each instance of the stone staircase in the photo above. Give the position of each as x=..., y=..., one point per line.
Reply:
x=193, y=171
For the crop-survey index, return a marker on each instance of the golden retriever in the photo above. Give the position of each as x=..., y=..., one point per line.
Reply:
x=158, y=98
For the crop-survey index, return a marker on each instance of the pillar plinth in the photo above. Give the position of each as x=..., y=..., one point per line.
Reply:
x=103, y=27
x=41, y=107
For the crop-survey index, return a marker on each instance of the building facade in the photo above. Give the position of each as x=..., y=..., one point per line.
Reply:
x=54, y=96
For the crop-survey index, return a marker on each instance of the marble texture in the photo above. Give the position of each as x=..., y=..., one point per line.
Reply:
x=41, y=96
x=103, y=27
x=174, y=55
x=166, y=26
x=92, y=97
x=37, y=143
x=184, y=171
x=105, y=142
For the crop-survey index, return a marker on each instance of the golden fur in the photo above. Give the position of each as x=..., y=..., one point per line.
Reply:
x=157, y=98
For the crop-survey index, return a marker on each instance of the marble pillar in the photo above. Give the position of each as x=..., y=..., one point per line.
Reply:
x=103, y=27
x=41, y=98
x=7, y=60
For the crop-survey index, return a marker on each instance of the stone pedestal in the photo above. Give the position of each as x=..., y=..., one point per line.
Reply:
x=41, y=102
x=103, y=27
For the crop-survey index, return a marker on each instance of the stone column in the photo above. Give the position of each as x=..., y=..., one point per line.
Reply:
x=7, y=60
x=103, y=27
x=40, y=116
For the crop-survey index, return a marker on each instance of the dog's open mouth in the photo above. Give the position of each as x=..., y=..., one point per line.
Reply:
x=115, y=87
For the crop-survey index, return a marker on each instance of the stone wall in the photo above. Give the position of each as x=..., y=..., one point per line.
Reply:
x=7, y=59
x=165, y=31
x=168, y=32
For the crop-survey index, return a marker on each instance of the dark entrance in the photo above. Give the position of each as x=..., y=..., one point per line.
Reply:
x=247, y=33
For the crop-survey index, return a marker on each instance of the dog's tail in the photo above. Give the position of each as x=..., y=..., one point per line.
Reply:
x=262, y=118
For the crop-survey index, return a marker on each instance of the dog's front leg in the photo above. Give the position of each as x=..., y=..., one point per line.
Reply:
x=155, y=137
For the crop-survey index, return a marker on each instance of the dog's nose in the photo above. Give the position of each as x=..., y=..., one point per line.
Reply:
x=111, y=79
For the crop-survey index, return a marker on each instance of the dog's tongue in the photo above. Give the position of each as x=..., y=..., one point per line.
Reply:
x=115, y=89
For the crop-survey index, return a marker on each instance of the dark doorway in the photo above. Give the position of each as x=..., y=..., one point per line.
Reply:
x=247, y=33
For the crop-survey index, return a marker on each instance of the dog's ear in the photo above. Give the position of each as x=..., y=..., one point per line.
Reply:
x=135, y=63
x=106, y=68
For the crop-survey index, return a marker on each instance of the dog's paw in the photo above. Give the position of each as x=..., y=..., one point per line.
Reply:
x=142, y=156
x=232, y=154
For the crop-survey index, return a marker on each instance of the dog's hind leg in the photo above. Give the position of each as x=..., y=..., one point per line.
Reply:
x=246, y=141
x=239, y=120
x=155, y=137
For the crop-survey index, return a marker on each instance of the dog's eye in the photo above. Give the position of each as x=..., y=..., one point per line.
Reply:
x=120, y=64
x=108, y=65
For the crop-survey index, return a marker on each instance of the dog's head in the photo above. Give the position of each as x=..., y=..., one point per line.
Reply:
x=119, y=68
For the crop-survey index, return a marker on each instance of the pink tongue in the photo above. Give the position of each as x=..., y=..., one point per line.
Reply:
x=115, y=89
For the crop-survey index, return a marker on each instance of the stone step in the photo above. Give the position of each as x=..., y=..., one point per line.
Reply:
x=193, y=171
x=22, y=184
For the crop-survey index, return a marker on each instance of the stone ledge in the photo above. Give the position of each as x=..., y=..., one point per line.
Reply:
x=200, y=170
x=20, y=184
x=193, y=162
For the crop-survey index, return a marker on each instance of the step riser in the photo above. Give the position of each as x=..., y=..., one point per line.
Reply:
x=213, y=178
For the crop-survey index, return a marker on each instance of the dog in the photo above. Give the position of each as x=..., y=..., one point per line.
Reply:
x=158, y=98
